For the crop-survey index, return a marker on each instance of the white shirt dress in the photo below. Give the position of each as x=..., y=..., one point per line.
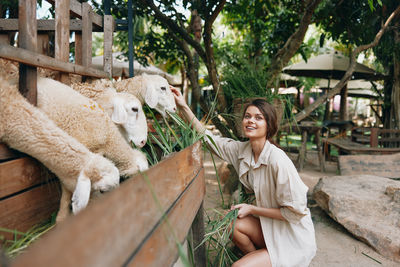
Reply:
x=276, y=184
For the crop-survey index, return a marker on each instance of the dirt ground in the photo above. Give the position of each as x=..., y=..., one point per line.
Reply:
x=336, y=246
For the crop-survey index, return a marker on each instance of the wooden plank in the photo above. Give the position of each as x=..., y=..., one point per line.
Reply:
x=43, y=25
x=23, y=211
x=86, y=35
x=78, y=48
x=62, y=36
x=160, y=249
x=35, y=59
x=115, y=224
x=8, y=153
x=76, y=11
x=350, y=147
x=108, y=42
x=379, y=165
x=17, y=175
x=43, y=44
x=27, y=39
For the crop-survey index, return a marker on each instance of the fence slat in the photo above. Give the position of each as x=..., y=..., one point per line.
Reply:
x=108, y=42
x=110, y=229
x=62, y=35
x=76, y=11
x=23, y=211
x=8, y=153
x=86, y=35
x=35, y=59
x=28, y=40
x=19, y=174
x=43, y=25
x=161, y=248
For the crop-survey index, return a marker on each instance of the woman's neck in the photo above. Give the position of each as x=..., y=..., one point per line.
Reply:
x=257, y=146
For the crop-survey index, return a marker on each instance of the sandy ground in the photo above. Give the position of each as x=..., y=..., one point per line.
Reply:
x=336, y=246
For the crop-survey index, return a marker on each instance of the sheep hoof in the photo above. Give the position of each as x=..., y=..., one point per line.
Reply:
x=81, y=195
x=142, y=164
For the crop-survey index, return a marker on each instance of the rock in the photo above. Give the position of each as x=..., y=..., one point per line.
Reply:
x=367, y=206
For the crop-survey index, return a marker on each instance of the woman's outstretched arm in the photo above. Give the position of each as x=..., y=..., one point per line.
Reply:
x=186, y=111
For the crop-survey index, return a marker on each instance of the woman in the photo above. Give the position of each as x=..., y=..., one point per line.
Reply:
x=278, y=230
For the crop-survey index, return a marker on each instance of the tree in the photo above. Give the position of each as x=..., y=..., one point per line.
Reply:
x=375, y=41
x=355, y=23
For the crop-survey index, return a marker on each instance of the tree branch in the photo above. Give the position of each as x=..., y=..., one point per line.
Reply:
x=284, y=54
x=173, y=27
x=346, y=77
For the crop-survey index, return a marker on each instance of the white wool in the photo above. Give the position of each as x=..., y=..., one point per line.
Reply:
x=27, y=129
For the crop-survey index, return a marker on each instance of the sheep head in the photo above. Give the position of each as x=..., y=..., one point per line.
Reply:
x=158, y=95
x=128, y=114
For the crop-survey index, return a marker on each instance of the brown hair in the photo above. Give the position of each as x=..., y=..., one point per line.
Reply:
x=269, y=113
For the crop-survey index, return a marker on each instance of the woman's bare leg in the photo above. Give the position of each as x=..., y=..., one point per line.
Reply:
x=258, y=258
x=247, y=234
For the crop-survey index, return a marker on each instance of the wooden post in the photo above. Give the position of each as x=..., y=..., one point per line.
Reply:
x=86, y=35
x=43, y=44
x=303, y=149
x=373, y=138
x=108, y=42
x=27, y=26
x=62, y=35
x=78, y=48
x=198, y=236
x=319, y=150
x=4, y=39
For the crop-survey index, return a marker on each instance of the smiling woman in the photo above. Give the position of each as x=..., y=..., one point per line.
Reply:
x=277, y=230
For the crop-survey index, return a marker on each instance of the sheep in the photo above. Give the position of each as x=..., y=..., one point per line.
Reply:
x=152, y=89
x=83, y=119
x=27, y=129
x=124, y=109
x=86, y=120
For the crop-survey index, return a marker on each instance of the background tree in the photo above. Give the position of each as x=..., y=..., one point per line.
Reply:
x=354, y=23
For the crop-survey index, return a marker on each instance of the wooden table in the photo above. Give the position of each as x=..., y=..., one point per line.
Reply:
x=307, y=129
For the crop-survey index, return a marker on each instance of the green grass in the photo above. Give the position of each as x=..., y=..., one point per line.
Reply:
x=21, y=240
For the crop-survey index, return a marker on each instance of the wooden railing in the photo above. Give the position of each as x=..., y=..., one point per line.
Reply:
x=138, y=224
x=27, y=194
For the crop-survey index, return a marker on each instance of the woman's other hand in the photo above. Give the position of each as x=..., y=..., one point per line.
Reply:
x=179, y=99
x=243, y=209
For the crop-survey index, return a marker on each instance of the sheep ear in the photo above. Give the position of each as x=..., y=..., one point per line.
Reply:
x=151, y=97
x=81, y=195
x=119, y=114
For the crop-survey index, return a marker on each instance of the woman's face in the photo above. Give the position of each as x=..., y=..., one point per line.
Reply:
x=254, y=123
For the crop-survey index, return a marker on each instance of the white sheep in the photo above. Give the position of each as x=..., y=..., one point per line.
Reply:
x=85, y=120
x=124, y=109
x=152, y=89
x=27, y=129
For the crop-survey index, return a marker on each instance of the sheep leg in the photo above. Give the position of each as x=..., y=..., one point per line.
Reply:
x=65, y=200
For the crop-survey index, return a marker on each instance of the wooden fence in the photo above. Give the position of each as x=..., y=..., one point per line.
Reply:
x=138, y=224
x=28, y=193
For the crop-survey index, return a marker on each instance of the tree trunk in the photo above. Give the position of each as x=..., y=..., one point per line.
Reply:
x=343, y=116
x=291, y=46
x=395, y=111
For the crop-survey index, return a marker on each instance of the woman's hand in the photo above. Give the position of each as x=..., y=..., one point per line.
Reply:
x=243, y=209
x=179, y=99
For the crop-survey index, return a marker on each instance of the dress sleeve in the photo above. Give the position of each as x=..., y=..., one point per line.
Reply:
x=225, y=148
x=291, y=192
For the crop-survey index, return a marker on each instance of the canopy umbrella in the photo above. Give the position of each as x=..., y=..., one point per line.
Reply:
x=331, y=65
x=356, y=88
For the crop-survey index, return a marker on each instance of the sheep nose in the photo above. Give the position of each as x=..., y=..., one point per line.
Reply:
x=142, y=143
